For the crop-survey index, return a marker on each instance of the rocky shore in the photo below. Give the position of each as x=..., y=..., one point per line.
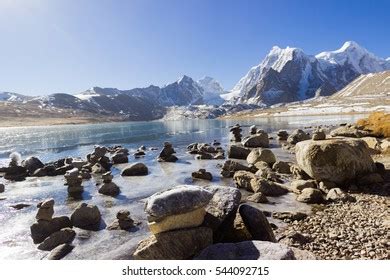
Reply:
x=341, y=172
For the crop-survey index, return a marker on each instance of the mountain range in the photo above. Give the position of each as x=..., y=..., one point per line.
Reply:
x=283, y=76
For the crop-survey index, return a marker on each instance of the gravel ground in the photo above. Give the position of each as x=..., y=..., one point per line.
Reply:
x=358, y=230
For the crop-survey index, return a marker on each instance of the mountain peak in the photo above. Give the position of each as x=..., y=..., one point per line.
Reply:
x=349, y=45
x=184, y=79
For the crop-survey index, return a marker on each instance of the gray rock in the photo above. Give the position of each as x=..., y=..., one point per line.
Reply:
x=267, y=187
x=257, y=155
x=65, y=235
x=230, y=167
x=257, y=198
x=370, y=179
x=238, y=152
x=282, y=167
x=296, y=136
x=110, y=189
x=42, y=229
x=335, y=160
x=174, y=245
x=222, y=208
x=256, y=223
x=310, y=195
x=60, y=251
x=319, y=135
x=282, y=135
x=337, y=195
x=202, y=174
x=86, y=216
x=247, y=250
x=45, y=210
x=256, y=141
x=2, y=188
x=120, y=158
x=178, y=200
x=136, y=169
x=325, y=186
x=298, y=185
x=349, y=131
x=32, y=164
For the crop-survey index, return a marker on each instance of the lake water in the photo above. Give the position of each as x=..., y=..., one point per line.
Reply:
x=54, y=142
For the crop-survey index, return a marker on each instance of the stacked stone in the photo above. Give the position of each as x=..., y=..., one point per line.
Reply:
x=253, y=130
x=74, y=181
x=99, y=161
x=175, y=216
x=109, y=188
x=282, y=135
x=236, y=131
x=123, y=221
x=45, y=210
x=167, y=153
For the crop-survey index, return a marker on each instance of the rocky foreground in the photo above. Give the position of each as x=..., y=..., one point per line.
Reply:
x=334, y=172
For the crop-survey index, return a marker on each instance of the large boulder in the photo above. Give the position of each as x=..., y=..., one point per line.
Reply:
x=65, y=235
x=32, y=164
x=86, y=216
x=335, y=160
x=256, y=223
x=247, y=250
x=238, y=152
x=120, y=158
x=296, y=136
x=222, y=208
x=264, y=155
x=179, y=207
x=42, y=228
x=136, y=169
x=15, y=173
x=174, y=245
x=256, y=141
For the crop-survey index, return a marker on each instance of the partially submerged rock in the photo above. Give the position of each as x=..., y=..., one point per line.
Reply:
x=60, y=251
x=256, y=141
x=45, y=210
x=42, y=228
x=123, y=221
x=264, y=155
x=202, y=174
x=135, y=169
x=65, y=235
x=238, y=152
x=257, y=198
x=86, y=216
x=231, y=166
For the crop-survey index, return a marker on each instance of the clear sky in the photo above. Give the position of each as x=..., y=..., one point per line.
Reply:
x=49, y=46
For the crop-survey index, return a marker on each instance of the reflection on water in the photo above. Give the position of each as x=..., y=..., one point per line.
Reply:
x=50, y=143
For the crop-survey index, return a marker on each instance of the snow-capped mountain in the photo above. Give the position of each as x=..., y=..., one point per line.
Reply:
x=287, y=75
x=12, y=97
x=212, y=90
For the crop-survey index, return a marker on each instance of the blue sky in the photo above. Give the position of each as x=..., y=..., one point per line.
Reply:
x=49, y=46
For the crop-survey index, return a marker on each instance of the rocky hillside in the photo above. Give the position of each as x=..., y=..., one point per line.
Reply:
x=288, y=75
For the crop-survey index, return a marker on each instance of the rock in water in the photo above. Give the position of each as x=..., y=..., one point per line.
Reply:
x=282, y=135
x=319, y=135
x=256, y=223
x=86, y=216
x=123, y=221
x=42, y=229
x=45, y=210
x=297, y=136
x=65, y=235
x=2, y=188
x=256, y=141
x=167, y=153
x=236, y=132
x=32, y=164
x=120, y=158
x=257, y=198
x=238, y=152
x=230, y=167
x=221, y=210
x=60, y=251
x=136, y=169
x=335, y=160
x=202, y=174
x=247, y=250
x=179, y=207
x=257, y=155
x=174, y=245
x=109, y=188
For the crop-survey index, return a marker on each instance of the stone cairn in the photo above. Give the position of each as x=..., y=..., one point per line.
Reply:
x=167, y=153
x=236, y=131
x=123, y=221
x=202, y=174
x=109, y=188
x=253, y=130
x=74, y=180
x=99, y=161
x=45, y=210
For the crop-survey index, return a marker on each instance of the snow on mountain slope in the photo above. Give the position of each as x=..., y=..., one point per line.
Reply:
x=212, y=91
x=354, y=55
x=288, y=75
x=12, y=97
